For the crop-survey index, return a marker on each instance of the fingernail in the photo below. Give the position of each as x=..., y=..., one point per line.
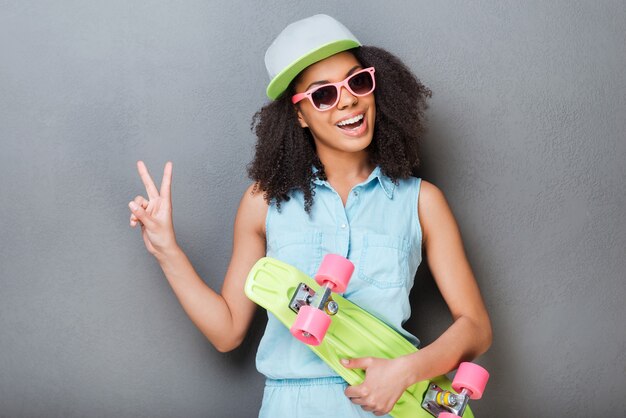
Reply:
x=132, y=205
x=344, y=361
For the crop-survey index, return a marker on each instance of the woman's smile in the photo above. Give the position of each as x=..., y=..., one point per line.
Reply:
x=353, y=125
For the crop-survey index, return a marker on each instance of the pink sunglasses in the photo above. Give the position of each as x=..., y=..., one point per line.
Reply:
x=326, y=96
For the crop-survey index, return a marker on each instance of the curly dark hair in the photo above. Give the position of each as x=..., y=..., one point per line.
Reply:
x=285, y=152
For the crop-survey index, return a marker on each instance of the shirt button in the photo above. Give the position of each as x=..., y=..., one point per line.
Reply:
x=343, y=226
x=356, y=193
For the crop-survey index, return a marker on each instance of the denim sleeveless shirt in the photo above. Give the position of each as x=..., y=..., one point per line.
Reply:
x=378, y=230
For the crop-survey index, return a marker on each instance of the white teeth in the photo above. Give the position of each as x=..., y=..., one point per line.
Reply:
x=351, y=120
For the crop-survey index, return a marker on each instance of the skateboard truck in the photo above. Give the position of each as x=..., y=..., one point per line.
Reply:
x=438, y=400
x=469, y=382
x=315, y=308
x=304, y=295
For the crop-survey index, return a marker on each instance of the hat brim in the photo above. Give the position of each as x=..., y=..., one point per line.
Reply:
x=280, y=83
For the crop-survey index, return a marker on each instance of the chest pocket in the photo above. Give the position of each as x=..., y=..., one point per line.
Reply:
x=302, y=250
x=384, y=260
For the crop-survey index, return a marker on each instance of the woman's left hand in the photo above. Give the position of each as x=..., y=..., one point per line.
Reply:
x=385, y=381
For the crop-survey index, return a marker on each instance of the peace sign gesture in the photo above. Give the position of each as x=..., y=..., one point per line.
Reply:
x=154, y=214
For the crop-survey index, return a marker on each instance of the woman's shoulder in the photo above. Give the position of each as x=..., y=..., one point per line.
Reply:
x=429, y=193
x=254, y=195
x=253, y=207
x=431, y=198
x=254, y=199
x=433, y=208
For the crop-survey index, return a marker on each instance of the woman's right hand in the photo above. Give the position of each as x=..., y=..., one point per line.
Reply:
x=155, y=213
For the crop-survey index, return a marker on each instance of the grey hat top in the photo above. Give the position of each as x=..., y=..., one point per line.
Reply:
x=301, y=44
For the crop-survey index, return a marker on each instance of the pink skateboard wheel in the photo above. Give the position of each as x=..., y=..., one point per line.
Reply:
x=335, y=271
x=447, y=415
x=472, y=377
x=310, y=326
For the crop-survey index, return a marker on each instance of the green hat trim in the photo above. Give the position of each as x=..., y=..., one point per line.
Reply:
x=280, y=83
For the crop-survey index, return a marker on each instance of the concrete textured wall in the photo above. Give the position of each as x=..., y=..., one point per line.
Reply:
x=527, y=142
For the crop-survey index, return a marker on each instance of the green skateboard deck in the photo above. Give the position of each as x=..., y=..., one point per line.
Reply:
x=353, y=332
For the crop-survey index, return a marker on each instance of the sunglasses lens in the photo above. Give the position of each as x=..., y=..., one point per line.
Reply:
x=359, y=84
x=362, y=83
x=324, y=97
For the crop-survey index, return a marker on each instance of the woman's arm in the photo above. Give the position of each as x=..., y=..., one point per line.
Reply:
x=224, y=319
x=470, y=334
x=467, y=337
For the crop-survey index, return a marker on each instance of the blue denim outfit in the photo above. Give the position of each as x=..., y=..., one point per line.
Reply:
x=379, y=231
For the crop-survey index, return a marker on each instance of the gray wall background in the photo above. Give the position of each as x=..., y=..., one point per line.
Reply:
x=527, y=142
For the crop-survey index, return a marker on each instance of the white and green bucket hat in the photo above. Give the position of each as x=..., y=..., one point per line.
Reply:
x=301, y=44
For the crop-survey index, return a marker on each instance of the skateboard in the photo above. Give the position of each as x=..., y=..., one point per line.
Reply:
x=335, y=328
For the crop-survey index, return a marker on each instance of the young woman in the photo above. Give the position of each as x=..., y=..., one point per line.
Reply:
x=335, y=171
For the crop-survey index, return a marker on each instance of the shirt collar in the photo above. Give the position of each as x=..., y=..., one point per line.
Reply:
x=385, y=182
